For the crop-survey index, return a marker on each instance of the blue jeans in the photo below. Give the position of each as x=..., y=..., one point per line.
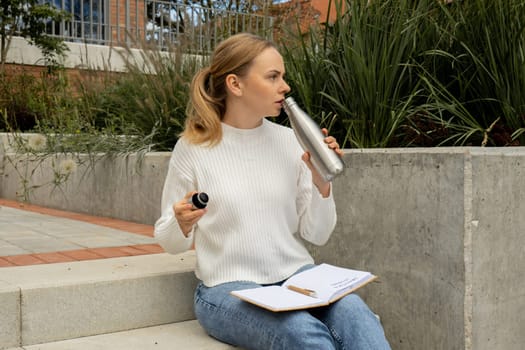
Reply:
x=346, y=324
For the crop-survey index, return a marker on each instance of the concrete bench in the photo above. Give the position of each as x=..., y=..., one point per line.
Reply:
x=148, y=298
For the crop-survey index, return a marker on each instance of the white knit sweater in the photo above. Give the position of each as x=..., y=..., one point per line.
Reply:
x=261, y=200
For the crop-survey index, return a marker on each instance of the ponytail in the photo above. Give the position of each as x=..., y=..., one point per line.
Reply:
x=204, y=112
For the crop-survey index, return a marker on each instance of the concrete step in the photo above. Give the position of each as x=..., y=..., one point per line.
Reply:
x=53, y=302
x=182, y=335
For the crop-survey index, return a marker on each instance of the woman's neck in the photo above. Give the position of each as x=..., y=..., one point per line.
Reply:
x=238, y=116
x=242, y=122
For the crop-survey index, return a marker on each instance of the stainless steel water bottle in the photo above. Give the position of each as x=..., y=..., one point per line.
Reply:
x=309, y=134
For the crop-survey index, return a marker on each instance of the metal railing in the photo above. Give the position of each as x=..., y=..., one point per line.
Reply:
x=161, y=23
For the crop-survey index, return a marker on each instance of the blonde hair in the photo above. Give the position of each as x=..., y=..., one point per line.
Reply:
x=207, y=103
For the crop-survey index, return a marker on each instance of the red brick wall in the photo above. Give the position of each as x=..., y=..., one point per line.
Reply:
x=74, y=76
x=117, y=19
x=287, y=14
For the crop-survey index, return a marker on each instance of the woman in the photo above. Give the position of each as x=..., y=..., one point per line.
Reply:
x=263, y=201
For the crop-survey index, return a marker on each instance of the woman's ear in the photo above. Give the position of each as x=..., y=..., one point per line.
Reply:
x=233, y=84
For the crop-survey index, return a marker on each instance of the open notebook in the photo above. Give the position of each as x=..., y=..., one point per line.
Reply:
x=319, y=286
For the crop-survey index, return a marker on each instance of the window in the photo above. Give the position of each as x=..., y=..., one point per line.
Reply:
x=86, y=23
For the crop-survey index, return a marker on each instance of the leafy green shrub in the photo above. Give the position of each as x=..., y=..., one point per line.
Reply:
x=364, y=69
x=478, y=71
x=415, y=73
x=27, y=98
x=151, y=96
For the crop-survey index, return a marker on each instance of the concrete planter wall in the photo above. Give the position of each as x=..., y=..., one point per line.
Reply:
x=127, y=188
x=443, y=228
x=445, y=231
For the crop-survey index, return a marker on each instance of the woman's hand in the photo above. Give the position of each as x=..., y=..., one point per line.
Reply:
x=186, y=215
x=322, y=185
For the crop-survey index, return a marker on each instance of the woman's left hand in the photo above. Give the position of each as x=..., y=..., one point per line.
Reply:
x=322, y=185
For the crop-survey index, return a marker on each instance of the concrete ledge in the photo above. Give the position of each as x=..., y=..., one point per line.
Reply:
x=444, y=230
x=9, y=315
x=103, y=58
x=183, y=335
x=80, y=56
x=71, y=300
x=127, y=188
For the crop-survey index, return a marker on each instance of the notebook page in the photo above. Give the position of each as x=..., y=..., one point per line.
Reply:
x=328, y=281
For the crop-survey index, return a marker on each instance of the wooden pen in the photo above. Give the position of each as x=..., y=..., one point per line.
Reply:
x=308, y=292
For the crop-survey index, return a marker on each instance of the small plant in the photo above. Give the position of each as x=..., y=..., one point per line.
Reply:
x=29, y=153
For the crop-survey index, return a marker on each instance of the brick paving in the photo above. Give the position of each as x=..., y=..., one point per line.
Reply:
x=31, y=234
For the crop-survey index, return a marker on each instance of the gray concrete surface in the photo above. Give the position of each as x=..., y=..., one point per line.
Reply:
x=77, y=299
x=9, y=315
x=182, y=335
x=496, y=258
x=25, y=232
x=403, y=219
x=445, y=231
x=443, y=228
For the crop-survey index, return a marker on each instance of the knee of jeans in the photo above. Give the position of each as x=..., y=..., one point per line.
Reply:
x=355, y=303
x=306, y=332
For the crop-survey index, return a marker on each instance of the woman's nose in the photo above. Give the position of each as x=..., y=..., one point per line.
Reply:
x=286, y=87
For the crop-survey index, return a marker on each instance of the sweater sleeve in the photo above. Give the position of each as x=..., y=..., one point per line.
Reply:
x=317, y=215
x=167, y=231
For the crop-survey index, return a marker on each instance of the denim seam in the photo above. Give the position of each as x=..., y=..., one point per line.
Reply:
x=337, y=338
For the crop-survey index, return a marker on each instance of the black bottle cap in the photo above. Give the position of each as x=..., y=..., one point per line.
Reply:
x=200, y=200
